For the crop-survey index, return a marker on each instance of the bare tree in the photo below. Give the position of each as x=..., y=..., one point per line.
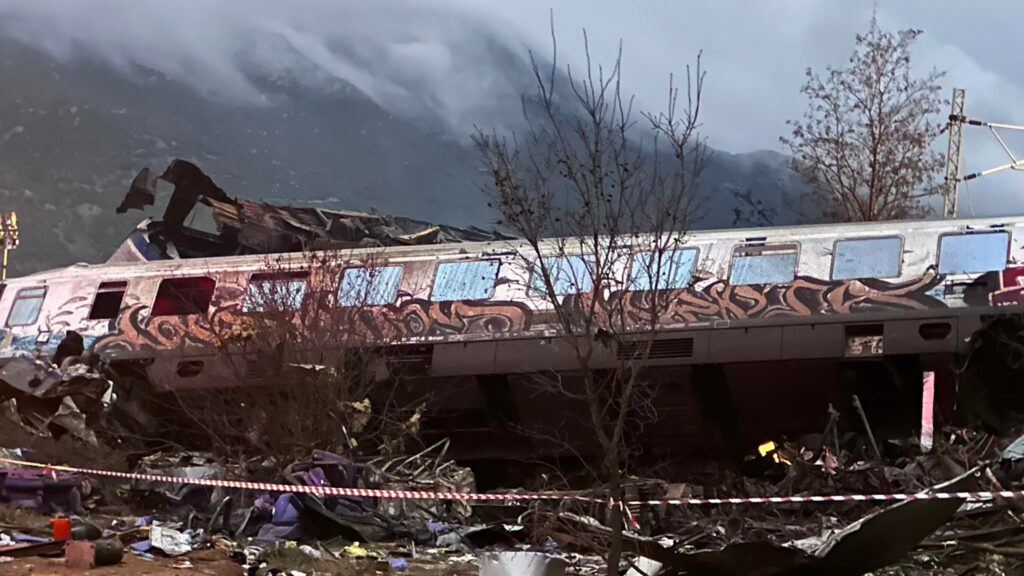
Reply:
x=602, y=197
x=323, y=381
x=864, y=145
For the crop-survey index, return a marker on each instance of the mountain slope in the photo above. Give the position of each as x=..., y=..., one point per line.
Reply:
x=72, y=136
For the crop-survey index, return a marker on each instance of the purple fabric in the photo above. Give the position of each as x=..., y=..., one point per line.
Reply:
x=41, y=490
x=286, y=513
x=141, y=546
x=271, y=534
x=315, y=477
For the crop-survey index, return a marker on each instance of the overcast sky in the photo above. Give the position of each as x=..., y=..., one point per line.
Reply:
x=417, y=55
x=756, y=54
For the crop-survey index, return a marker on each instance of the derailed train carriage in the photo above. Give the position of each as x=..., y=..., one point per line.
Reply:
x=766, y=328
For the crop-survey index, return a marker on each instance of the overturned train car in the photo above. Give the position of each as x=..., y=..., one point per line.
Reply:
x=766, y=328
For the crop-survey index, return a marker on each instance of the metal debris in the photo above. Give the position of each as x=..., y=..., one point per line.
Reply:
x=247, y=227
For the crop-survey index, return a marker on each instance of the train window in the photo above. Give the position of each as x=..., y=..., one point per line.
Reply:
x=569, y=275
x=973, y=253
x=275, y=292
x=763, y=264
x=183, y=296
x=465, y=280
x=28, y=302
x=107, y=303
x=674, y=270
x=867, y=258
x=369, y=286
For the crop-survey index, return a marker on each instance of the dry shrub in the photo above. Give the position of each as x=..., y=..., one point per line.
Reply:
x=312, y=377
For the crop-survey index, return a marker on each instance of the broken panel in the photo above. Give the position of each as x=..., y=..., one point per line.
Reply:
x=867, y=258
x=472, y=280
x=973, y=253
x=107, y=303
x=183, y=296
x=28, y=302
x=275, y=292
x=369, y=286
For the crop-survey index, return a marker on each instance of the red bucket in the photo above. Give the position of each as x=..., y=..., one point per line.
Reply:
x=61, y=528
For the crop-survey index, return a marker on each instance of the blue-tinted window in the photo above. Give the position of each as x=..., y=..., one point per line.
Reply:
x=28, y=302
x=674, y=270
x=465, y=280
x=369, y=286
x=972, y=253
x=275, y=292
x=569, y=275
x=867, y=258
x=763, y=266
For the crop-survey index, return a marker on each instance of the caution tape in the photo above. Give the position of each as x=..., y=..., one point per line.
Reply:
x=970, y=496
x=296, y=488
x=517, y=497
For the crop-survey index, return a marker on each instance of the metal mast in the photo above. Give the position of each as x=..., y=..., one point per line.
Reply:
x=954, y=153
x=8, y=239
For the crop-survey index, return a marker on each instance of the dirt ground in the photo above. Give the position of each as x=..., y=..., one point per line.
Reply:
x=131, y=564
x=216, y=563
x=209, y=562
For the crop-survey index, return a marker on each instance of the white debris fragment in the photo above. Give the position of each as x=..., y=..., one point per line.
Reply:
x=172, y=542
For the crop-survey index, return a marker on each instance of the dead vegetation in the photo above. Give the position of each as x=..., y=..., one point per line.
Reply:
x=310, y=379
x=584, y=192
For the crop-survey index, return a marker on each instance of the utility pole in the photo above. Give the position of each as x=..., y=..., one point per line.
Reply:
x=8, y=238
x=954, y=153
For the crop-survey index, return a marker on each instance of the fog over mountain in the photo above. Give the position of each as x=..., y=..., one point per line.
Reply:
x=347, y=105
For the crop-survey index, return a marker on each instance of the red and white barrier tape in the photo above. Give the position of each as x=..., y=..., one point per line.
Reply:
x=461, y=496
x=299, y=489
x=971, y=496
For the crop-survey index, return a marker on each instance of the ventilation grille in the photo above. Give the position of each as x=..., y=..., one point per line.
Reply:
x=660, y=349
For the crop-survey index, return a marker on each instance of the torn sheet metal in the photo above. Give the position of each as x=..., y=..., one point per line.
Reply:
x=247, y=227
x=875, y=541
x=187, y=465
x=518, y=563
x=170, y=541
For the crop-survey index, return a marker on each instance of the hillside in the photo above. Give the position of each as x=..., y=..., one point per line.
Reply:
x=72, y=136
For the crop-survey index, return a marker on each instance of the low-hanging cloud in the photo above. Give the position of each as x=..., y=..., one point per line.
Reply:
x=439, y=62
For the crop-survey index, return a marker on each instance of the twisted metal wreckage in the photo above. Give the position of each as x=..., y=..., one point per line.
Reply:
x=765, y=319
x=759, y=318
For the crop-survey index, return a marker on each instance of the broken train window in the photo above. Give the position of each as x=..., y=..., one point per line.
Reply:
x=375, y=286
x=275, y=291
x=28, y=302
x=763, y=264
x=183, y=296
x=472, y=280
x=107, y=303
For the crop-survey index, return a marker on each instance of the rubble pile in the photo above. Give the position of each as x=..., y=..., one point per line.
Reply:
x=262, y=532
x=66, y=394
x=69, y=398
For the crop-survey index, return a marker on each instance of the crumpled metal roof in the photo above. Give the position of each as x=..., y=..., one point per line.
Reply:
x=250, y=227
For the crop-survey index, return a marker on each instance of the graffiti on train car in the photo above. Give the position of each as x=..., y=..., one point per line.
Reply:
x=714, y=299
x=51, y=329
x=135, y=329
x=419, y=318
x=411, y=319
x=1010, y=289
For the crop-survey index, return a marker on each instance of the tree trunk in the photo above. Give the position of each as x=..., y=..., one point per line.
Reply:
x=615, y=520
